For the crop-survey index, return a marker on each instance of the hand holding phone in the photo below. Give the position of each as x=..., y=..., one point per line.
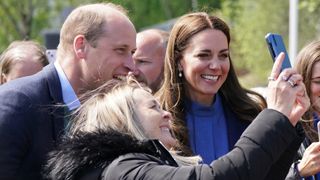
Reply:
x=276, y=46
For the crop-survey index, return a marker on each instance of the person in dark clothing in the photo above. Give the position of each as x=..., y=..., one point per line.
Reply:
x=96, y=45
x=121, y=132
x=307, y=163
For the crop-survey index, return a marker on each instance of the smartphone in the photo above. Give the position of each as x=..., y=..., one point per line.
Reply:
x=276, y=46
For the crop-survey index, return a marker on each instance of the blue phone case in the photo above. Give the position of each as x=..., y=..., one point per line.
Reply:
x=276, y=46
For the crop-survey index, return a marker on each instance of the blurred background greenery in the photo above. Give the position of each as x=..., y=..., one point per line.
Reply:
x=250, y=21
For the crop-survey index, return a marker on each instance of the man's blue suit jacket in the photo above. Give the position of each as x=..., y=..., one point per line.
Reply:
x=31, y=122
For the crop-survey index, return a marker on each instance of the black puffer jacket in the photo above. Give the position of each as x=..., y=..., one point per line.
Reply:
x=262, y=152
x=293, y=174
x=85, y=155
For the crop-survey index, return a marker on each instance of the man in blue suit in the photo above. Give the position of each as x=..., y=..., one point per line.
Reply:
x=96, y=45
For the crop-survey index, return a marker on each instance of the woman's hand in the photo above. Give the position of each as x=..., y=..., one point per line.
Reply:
x=310, y=162
x=286, y=92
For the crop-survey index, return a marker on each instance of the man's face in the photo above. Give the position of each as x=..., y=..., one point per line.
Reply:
x=112, y=56
x=149, y=59
x=21, y=68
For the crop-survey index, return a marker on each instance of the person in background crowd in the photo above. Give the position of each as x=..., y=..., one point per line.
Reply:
x=121, y=132
x=149, y=56
x=209, y=107
x=96, y=45
x=307, y=165
x=22, y=58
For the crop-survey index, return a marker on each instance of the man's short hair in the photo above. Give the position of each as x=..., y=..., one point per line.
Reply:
x=88, y=20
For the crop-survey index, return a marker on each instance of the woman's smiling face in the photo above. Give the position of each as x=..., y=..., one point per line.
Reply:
x=205, y=64
x=154, y=120
x=315, y=87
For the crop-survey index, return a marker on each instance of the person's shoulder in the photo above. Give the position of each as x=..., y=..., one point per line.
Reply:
x=134, y=159
x=29, y=84
x=20, y=86
x=26, y=90
x=15, y=97
x=128, y=163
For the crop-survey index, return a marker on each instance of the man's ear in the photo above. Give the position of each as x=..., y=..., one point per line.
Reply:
x=79, y=45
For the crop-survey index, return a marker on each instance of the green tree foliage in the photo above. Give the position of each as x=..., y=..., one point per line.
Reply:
x=309, y=21
x=22, y=19
x=147, y=13
x=26, y=19
x=254, y=19
x=250, y=21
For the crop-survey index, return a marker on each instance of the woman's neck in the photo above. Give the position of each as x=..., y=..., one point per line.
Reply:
x=204, y=100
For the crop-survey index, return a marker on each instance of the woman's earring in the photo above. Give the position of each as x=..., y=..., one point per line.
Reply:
x=180, y=74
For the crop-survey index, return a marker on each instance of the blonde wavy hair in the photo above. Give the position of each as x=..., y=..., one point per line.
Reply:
x=110, y=107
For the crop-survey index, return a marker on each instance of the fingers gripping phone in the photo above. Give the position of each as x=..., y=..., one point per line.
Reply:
x=276, y=46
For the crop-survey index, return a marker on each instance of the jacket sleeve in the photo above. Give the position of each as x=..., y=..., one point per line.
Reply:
x=14, y=132
x=259, y=147
x=293, y=173
x=280, y=169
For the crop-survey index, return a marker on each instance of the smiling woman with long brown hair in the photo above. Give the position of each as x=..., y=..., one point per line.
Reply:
x=201, y=89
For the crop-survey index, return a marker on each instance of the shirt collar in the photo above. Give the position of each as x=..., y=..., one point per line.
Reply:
x=69, y=96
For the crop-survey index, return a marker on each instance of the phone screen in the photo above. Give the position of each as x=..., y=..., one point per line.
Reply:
x=276, y=46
